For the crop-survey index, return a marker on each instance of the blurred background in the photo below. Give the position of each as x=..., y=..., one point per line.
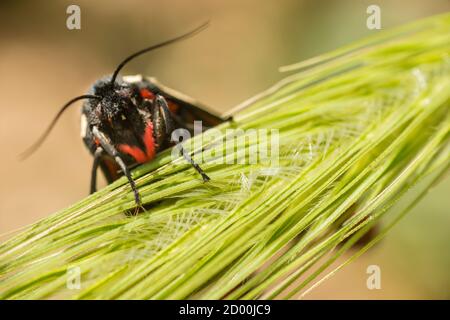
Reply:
x=43, y=65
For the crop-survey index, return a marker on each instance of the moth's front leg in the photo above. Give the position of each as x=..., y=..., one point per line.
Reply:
x=163, y=126
x=111, y=150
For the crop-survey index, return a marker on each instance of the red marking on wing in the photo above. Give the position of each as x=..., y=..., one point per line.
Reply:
x=173, y=107
x=149, y=141
x=147, y=94
x=138, y=154
x=135, y=152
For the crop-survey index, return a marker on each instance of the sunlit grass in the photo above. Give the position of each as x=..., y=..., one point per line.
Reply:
x=357, y=129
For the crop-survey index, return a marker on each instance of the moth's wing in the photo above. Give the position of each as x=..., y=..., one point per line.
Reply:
x=186, y=109
x=110, y=169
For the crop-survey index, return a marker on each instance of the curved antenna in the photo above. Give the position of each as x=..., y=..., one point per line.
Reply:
x=41, y=139
x=156, y=46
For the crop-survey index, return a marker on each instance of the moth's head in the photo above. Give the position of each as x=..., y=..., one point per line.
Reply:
x=116, y=102
x=117, y=111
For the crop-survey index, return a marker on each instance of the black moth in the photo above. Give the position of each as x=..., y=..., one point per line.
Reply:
x=127, y=121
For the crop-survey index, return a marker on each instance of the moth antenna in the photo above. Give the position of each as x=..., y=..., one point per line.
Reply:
x=42, y=138
x=156, y=46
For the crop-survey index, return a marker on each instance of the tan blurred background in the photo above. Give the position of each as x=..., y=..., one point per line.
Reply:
x=43, y=64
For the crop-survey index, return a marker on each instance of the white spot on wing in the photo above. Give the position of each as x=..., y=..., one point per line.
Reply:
x=84, y=125
x=132, y=79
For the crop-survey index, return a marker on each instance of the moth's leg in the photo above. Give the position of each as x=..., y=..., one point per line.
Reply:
x=162, y=121
x=109, y=148
x=167, y=116
x=97, y=154
x=188, y=158
x=164, y=125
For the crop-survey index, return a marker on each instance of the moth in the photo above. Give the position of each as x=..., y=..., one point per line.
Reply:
x=126, y=121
